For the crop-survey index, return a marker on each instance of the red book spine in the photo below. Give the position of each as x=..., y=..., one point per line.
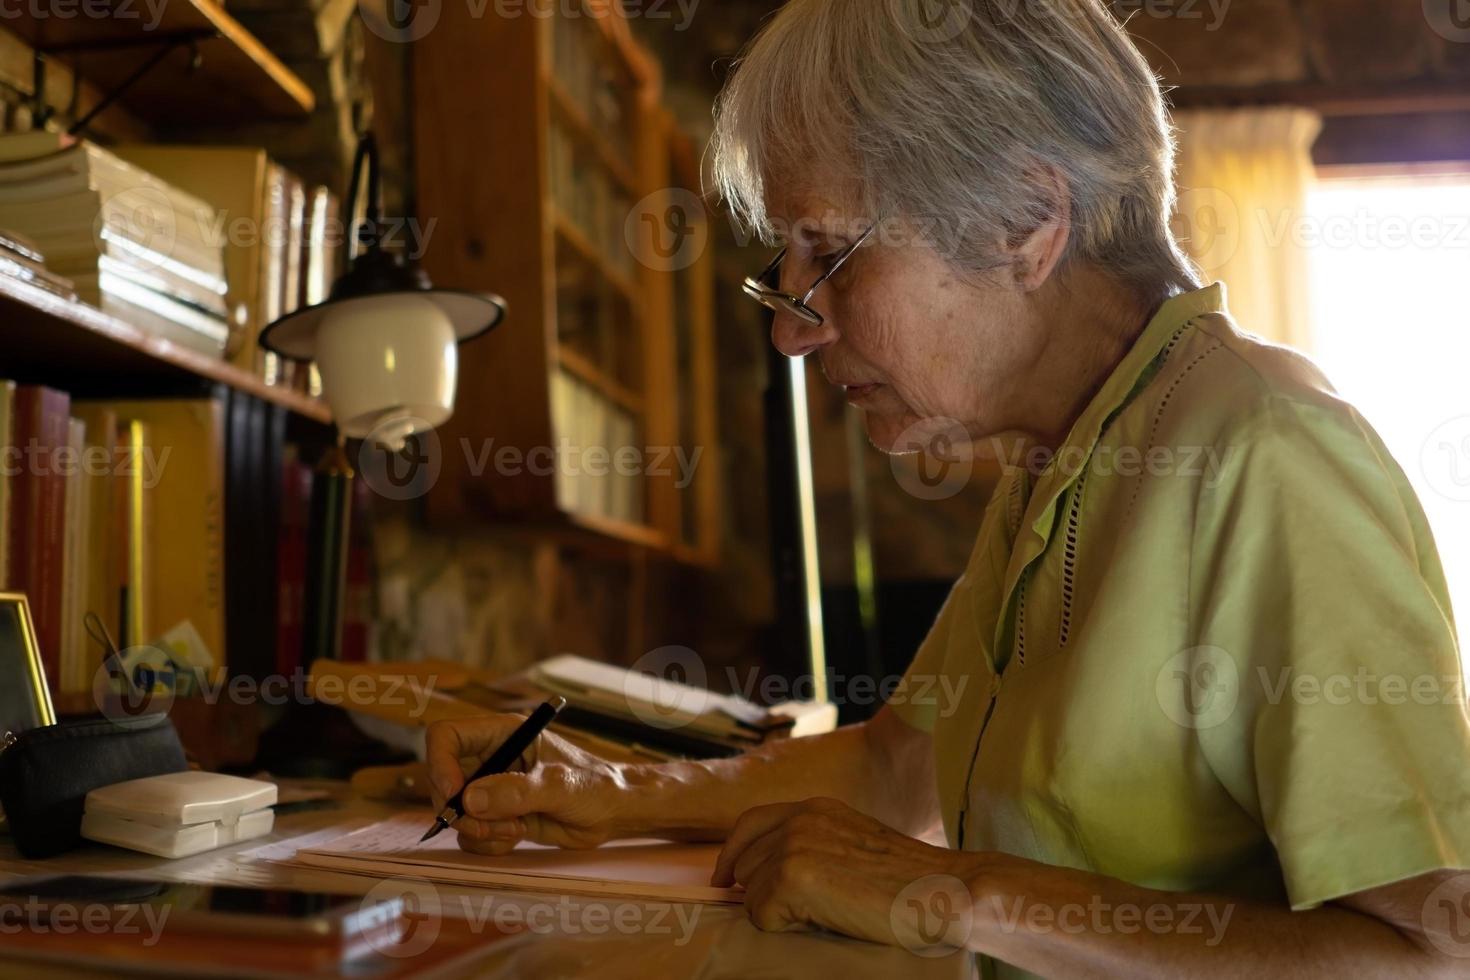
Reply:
x=38, y=514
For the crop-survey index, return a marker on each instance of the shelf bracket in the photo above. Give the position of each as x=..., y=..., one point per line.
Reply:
x=164, y=45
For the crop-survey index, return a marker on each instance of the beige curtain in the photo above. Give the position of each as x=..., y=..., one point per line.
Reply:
x=1244, y=176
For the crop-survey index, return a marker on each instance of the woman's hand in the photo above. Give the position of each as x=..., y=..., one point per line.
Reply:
x=822, y=864
x=556, y=794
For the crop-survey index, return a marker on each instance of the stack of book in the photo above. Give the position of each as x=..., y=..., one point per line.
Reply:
x=284, y=240
x=21, y=260
x=134, y=246
x=202, y=245
x=666, y=718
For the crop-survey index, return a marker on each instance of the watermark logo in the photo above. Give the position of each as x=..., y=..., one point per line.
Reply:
x=419, y=921
x=407, y=474
x=1450, y=19
x=1100, y=917
x=1199, y=688
x=136, y=687
x=931, y=21
x=668, y=231
x=1207, y=220
x=1446, y=917
x=400, y=21
x=1445, y=459
x=933, y=916
x=932, y=459
x=140, y=221
x=660, y=705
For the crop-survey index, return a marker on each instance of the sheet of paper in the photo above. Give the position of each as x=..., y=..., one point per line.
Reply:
x=643, y=869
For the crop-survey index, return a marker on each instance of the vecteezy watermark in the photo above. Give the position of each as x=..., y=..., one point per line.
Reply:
x=405, y=474
x=139, y=221
x=408, y=236
x=667, y=707
x=1207, y=221
x=35, y=459
x=1202, y=687
x=150, y=12
x=1450, y=19
x=39, y=915
x=933, y=916
x=406, y=21
x=1445, y=459
x=414, y=470
x=682, y=697
x=931, y=21
x=1199, y=688
x=1446, y=917
x=932, y=459
x=144, y=686
x=1211, y=12
x=1100, y=917
x=668, y=231
x=425, y=909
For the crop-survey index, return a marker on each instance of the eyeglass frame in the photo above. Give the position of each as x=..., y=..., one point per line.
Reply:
x=755, y=286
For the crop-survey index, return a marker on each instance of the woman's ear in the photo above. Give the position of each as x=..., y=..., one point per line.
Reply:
x=1036, y=254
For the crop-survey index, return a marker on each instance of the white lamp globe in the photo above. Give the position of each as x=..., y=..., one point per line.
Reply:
x=389, y=364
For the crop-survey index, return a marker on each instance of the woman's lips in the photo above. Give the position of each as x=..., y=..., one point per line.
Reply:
x=856, y=393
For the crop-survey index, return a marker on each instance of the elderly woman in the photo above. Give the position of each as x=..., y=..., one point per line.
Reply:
x=1206, y=722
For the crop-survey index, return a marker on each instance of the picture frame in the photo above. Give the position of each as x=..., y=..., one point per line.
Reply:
x=25, y=699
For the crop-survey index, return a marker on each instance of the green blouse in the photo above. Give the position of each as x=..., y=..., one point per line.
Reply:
x=1209, y=647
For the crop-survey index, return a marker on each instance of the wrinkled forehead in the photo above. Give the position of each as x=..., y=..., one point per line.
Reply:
x=802, y=215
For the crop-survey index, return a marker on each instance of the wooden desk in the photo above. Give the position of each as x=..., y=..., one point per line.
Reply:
x=565, y=937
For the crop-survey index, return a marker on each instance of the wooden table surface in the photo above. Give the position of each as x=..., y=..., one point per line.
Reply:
x=558, y=936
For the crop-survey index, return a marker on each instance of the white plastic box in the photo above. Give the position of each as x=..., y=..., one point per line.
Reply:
x=180, y=813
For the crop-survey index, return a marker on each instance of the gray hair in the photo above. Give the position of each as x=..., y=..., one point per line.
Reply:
x=952, y=121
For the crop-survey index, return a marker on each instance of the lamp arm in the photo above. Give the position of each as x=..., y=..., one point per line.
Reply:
x=365, y=234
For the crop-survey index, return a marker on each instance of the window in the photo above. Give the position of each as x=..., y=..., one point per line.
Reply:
x=1390, y=268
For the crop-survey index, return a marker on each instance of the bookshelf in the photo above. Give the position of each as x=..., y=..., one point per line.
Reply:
x=237, y=77
x=50, y=340
x=536, y=196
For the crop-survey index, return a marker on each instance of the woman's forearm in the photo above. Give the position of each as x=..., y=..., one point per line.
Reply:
x=880, y=767
x=1060, y=922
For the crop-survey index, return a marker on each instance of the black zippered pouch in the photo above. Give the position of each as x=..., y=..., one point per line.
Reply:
x=46, y=773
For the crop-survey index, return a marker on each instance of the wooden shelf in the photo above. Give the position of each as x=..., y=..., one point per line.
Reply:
x=575, y=239
x=49, y=340
x=610, y=527
x=593, y=375
x=237, y=80
x=582, y=130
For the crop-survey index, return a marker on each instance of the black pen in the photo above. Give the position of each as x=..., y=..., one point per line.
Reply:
x=500, y=760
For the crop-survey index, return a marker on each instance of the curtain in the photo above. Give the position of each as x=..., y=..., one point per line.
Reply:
x=1244, y=176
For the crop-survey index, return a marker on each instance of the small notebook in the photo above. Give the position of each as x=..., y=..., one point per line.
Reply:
x=636, y=869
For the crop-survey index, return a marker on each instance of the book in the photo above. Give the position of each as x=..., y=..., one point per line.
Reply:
x=104, y=585
x=187, y=472
x=74, y=676
x=37, y=513
x=132, y=531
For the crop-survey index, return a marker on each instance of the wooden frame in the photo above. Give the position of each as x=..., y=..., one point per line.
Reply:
x=42, y=712
x=498, y=130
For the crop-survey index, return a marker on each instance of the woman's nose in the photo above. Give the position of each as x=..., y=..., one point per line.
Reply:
x=795, y=337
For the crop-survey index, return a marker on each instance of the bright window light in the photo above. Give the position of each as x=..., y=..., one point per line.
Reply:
x=1391, y=327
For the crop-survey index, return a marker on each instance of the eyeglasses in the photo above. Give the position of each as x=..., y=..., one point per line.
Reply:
x=774, y=299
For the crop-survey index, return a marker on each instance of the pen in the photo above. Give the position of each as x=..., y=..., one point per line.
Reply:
x=499, y=761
